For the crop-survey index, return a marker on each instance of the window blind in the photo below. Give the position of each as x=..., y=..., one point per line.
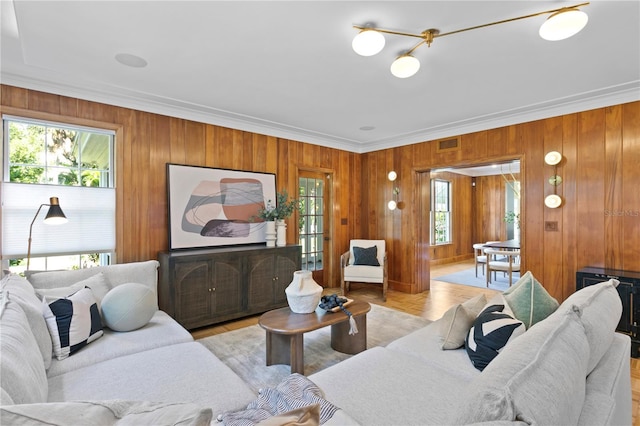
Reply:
x=90, y=212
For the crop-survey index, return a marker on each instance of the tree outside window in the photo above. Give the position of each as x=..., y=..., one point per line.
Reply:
x=49, y=153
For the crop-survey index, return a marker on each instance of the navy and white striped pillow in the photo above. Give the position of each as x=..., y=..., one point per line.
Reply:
x=73, y=322
x=493, y=328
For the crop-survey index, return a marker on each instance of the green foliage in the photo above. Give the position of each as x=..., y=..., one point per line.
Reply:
x=512, y=217
x=283, y=209
x=34, y=147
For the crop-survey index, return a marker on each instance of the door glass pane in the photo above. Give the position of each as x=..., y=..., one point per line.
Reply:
x=312, y=229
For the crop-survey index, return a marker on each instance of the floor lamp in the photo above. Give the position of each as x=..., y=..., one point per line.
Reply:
x=55, y=216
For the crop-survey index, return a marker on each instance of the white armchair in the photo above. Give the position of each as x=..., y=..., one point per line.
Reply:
x=365, y=262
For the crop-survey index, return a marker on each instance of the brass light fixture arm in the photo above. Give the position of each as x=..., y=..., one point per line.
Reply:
x=428, y=36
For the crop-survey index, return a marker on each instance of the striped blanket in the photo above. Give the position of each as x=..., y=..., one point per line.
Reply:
x=294, y=392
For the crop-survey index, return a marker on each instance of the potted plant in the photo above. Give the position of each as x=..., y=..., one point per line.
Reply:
x=274, y=216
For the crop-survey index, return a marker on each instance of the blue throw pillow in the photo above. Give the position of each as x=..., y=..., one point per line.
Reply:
x=492, y=330
x=366, y=256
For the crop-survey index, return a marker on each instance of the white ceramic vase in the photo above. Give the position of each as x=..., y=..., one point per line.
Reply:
x=270, y=233
x=281, y=233
x=303, y=294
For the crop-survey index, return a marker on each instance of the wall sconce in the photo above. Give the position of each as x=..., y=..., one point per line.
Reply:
x=394, y=203
x=55, y=216
x=553, y=201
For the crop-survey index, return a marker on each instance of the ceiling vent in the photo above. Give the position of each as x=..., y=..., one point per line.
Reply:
x=448, y=145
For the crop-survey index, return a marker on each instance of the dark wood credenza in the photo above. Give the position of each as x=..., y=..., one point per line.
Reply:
x=203, y=287
x=628, y=288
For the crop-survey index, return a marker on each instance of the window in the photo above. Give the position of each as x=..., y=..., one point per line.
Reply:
x=44, y=159
x=312, y=222
x=440, y=212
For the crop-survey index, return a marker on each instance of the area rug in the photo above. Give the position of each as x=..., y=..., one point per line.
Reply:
x=468, y=277
x=244, y=350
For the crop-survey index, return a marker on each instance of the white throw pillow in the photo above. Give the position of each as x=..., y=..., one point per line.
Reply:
x=129, y=306
x=73, y=322
x=457, y=322
x=97, y=283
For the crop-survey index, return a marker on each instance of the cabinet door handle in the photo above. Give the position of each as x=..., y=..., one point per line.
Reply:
x=212, y=289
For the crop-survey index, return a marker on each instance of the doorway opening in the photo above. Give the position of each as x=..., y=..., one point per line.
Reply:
x=486, y=201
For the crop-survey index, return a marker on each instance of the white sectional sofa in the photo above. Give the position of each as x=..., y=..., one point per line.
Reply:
x=570, y=368
x=159, y=362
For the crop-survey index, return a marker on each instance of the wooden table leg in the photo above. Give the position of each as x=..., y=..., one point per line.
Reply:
x=342, y=341
x=286, y=349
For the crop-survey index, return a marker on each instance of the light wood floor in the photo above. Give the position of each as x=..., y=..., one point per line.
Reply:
x=430, y=304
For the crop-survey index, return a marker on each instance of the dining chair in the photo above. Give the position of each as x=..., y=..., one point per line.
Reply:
x=479, y=256
x=502, y=260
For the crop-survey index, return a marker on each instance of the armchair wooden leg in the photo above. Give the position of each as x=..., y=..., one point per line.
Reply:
x=344, y=286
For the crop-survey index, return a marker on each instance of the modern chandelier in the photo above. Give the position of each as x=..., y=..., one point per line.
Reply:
x=562, y=23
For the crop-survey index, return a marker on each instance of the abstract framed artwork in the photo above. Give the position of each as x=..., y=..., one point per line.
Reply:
x=211, y=207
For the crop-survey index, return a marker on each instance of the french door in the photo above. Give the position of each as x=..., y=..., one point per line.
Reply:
x=314, y=226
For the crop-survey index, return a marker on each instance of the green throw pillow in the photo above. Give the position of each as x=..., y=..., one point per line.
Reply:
x=529, y=301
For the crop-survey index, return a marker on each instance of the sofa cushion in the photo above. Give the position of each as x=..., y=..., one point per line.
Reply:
x=104, y=413
x=539, y=378
x=599, y=308
x=529, y=301
x=365, y=256
x=97, y=283
x=426, y=345
x=161, y=331
x=492, y=330
x=185, y=372
x=73, y=322
x=139, y=272
x=129, y=306
x=381, y=386
x=23, y=293
x=22, y=373
x=457, y=321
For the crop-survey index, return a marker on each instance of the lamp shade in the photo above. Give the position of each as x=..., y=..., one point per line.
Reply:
x=552, y=158
x=392, y=205
x=55, y=215
x=392, y=175
x=553, y=201
x=405, y=66
x=563, y=24
x=368, y=42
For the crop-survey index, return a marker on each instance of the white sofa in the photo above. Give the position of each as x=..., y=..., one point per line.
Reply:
x=570, y=368
x=159, y=362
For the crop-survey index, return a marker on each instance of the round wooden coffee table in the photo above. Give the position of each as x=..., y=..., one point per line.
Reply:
x=285, y=332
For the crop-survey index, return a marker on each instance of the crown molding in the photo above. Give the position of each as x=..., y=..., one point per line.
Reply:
x=124, y=98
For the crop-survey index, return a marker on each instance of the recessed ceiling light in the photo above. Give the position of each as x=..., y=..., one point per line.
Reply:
x=367, y=128
x=131, y=60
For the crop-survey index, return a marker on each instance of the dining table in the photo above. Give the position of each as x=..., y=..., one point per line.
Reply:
x=505, y=245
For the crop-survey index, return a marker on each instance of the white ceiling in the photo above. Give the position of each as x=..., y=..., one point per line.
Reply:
x=287, y=68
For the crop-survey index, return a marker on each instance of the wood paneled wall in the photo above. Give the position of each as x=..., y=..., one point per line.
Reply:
x=145, y=142
x=599, y=223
